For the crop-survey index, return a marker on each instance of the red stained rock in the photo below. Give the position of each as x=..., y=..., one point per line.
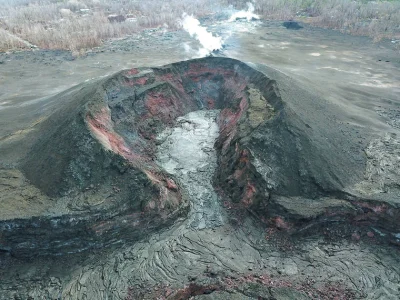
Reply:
x=132, y=72
x=280, y=223
x=171, y=185
x=244, y=157
x=248, y=195
x=101, y=126
x=355, y=236
x=136, y=81
x=227, y=204
x=193, y=290
x=200, y=71
x=378, y=209
x=210, y=103
x=165, y=107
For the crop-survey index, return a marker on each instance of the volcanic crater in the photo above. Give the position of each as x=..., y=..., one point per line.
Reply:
x=98, y=158
x=206, y=140
x=103, y=146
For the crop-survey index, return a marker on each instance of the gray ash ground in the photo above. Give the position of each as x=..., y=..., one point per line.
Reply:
x=298, y=252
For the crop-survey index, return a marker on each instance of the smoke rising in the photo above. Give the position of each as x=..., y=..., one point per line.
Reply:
x=208, y=42
x=249, y=14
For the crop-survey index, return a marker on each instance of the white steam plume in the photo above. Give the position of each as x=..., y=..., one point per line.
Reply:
x=208, y=42
x=249, y=14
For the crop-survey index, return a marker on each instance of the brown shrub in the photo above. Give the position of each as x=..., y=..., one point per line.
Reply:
x=9, y=42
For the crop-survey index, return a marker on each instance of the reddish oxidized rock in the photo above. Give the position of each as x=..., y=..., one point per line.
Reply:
x=171, y=185
x=370, y=234
x=355, y=236
x=280, y=223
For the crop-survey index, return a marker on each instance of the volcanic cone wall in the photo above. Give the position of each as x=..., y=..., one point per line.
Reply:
x=96, y=154
x=106, y=138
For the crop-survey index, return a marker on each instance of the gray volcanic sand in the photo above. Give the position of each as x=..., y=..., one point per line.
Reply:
x=351, y=75
x=361, y=78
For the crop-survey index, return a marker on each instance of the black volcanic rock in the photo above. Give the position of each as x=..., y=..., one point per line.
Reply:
x=292, y=25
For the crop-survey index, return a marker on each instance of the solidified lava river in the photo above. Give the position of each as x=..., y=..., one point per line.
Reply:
x=187, y=151
x=204, y=179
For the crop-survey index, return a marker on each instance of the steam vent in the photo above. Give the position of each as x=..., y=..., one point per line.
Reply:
x=156, y=161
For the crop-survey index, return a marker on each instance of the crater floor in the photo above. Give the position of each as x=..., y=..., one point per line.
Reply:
x=187, y=151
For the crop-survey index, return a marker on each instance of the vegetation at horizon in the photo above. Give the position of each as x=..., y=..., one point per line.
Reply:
x=78, y=25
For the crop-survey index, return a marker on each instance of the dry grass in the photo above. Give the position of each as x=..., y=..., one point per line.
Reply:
x=80, y=24
x=9, y=42
x=74, y=24
x=377, y=19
